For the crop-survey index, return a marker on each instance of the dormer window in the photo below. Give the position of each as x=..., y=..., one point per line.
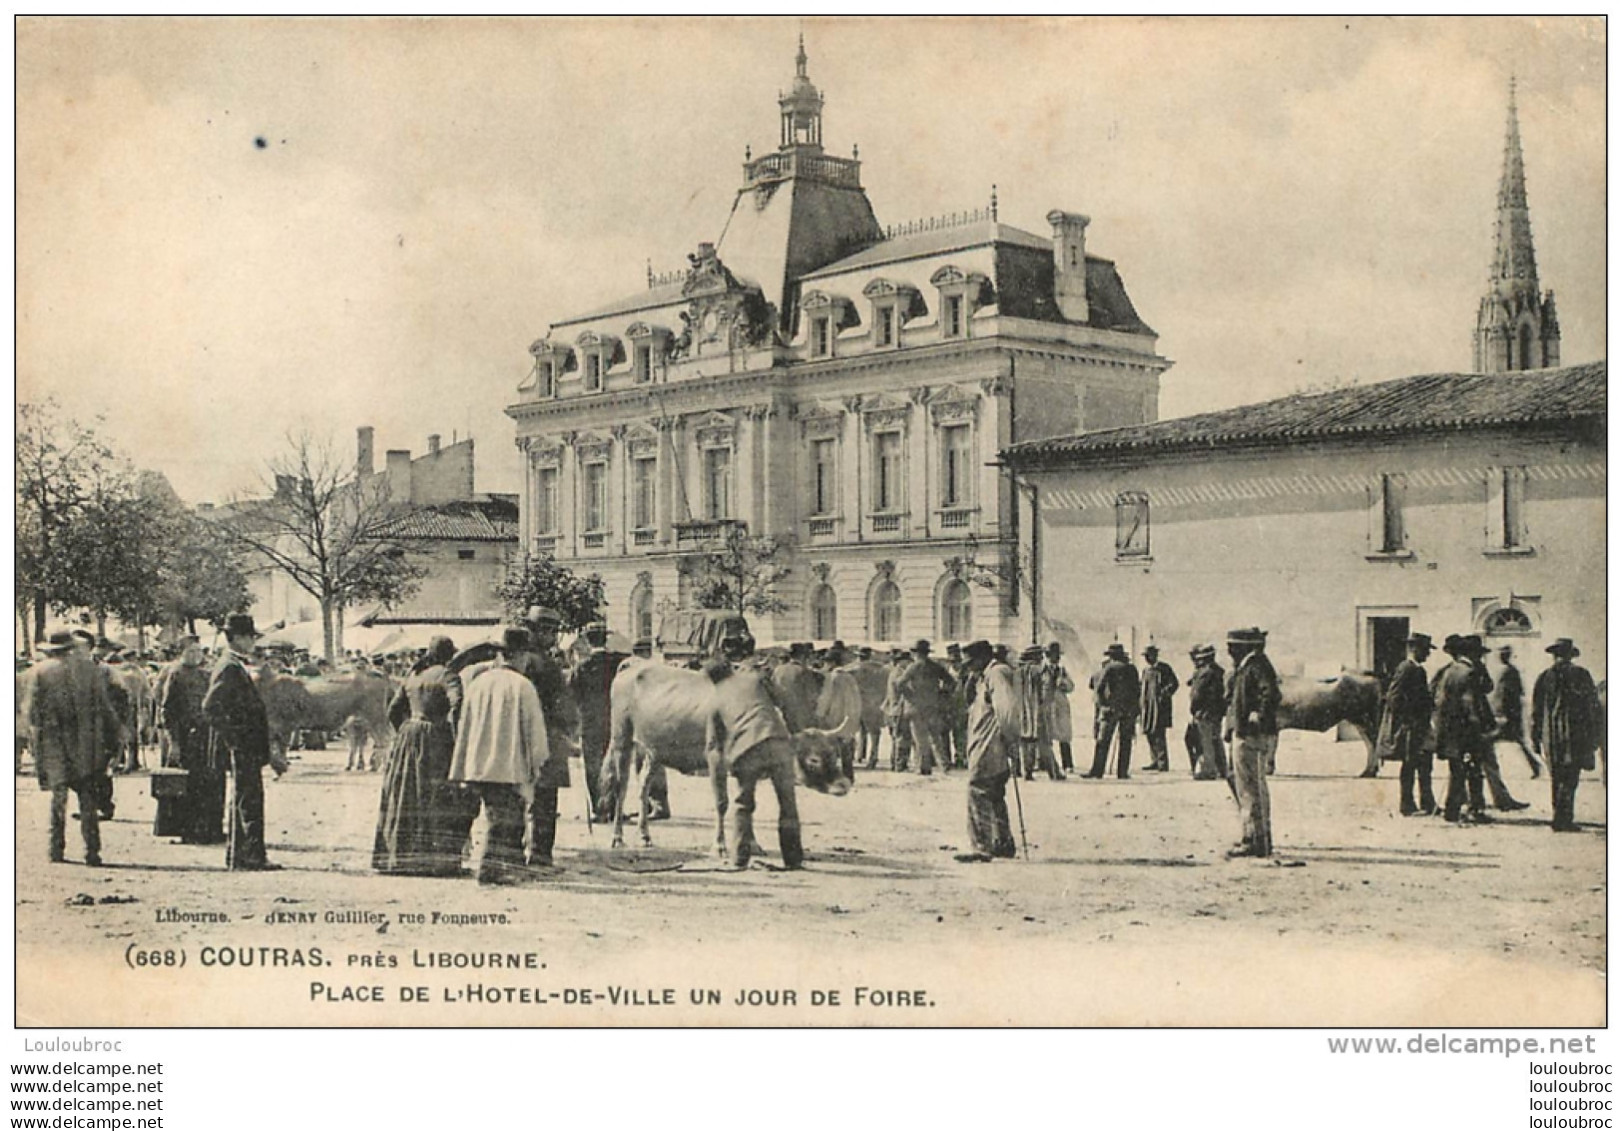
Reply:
x=821, y=339
x=894, y=305
x=962, y=293
x=649, y=347
x=825, y=316
x=598, y=353
x=552, y=361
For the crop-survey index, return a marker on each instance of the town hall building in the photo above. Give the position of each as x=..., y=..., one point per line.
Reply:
x=838, y=385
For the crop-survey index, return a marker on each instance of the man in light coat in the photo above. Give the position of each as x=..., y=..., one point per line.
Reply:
x=1060, y=685
x=501, y=746
x=994, y=734
x=71, y=722
x=839, y=707
x=747, y=739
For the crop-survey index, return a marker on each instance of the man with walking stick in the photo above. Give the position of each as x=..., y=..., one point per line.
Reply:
x=240, y=732
x=994, y=733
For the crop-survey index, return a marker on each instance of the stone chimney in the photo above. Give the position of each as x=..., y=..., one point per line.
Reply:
x=433, y=444
x=398, y=464
x=363, y=450
x=1070, y=264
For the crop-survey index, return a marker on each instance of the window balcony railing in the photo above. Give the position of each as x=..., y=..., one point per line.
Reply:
x=644, y=536
x=701, y=530
x=544, y=543
x=885, y=523
x=594, y=539
x=956, y=518
x=821, y=527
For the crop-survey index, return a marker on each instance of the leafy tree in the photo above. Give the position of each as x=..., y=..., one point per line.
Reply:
x=740, y=574
x=203, y=575
x=58, y=463
x=537, y=579
x=334, y=534
x=109, y=556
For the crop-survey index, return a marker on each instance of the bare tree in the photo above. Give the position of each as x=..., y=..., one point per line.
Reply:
x=741, y=573
x=335, y=534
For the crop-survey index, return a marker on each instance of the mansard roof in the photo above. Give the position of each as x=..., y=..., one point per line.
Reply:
x=1432, y=403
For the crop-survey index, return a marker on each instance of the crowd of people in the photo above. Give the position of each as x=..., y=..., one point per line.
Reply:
x=491, y=730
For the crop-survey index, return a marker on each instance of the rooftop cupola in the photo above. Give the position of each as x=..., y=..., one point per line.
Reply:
x=801, y=108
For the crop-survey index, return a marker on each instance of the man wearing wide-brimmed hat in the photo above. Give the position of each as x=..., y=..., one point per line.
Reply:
x=994, y=726
x=1036, y=743
x=1159, y=685
x=72, y=723
x=1568, y=725
x=1207, y=703
x=1115, y=711
x=1462, y=723
x=1405, y=724
x=1253, y=698
x=240, y=734
x=926, y=688
x=1487, y=754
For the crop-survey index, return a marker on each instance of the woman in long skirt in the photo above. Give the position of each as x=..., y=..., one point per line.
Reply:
x=418, y=830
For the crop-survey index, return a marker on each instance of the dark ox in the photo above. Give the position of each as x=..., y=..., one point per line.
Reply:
x=662, y=712
x=1318, y=704
x=294, y=704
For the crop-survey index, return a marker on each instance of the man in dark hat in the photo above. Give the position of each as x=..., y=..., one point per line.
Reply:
x=1207, y=703
x=87, y=646
x=1116, y=692
x=241, y=734
x=72, y=729
x=797, y=687
x=1461, y=722
x=1159, y=684
x=1568, y=725
x=1405, y=725
x=926, y=688
x=897, y=715
x=1508, y=701
x=1253, y=698
x=591, y=683
x=874, y=683
x=839, y=706
x=1035, y=742
x=200, y=813
x=994, y=729
x=957, y=723
x=538, y=662
x=1497, y=789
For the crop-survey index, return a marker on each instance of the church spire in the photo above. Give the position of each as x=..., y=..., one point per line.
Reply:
x=1516, y=327
x=1513, y=260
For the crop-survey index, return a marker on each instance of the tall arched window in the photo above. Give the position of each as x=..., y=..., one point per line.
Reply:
x=642, y=613
x=886, y=617
x=824, y=613
x=957, y=611
x=1526, y=345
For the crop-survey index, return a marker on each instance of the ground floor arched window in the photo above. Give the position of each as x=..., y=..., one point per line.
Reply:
x=642, y=613
x=886, y=618
x=824, y=613
x=957, y=611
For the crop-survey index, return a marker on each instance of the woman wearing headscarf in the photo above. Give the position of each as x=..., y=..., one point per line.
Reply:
x=417, y=821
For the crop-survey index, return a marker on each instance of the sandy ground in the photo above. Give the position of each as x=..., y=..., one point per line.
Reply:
x=1126, y=913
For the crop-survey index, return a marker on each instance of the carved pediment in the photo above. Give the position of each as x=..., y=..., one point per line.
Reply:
x=592, y=448
x=714, y=430
x=820, y=421
x=885, y=410
x=641, y=441
x=545, y=451
x=642, y=331
x=953, y=403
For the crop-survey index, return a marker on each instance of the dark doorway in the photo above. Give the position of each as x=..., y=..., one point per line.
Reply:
x=1388, y=644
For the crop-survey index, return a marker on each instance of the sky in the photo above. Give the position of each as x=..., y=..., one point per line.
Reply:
x=231, y=230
